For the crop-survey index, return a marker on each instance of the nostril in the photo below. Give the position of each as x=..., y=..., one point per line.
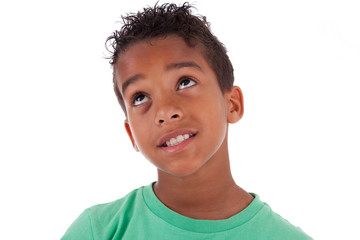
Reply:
x=174, y=116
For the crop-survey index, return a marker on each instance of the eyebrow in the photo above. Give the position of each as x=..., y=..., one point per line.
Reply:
x=169, y=67
x=130, y=81
x=182, y=65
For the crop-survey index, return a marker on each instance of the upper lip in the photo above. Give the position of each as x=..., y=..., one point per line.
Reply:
x=174, y=134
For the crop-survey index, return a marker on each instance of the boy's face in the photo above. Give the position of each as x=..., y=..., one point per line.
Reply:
x=176, y=113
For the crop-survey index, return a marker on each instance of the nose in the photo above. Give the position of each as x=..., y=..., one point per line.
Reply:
x=168, y=113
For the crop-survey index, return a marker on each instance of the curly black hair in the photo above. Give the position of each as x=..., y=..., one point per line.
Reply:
x=170, y=19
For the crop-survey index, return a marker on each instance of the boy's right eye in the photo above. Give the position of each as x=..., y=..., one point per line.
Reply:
x=139, y=99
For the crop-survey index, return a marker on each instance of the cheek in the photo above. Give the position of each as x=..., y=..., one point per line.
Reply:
x=214, y=107
x=211, y=111
x=140, y=132
x=217, y=117
x=218, y=127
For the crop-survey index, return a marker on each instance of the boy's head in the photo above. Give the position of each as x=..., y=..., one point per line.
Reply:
x=174, y=82
x=165, y=20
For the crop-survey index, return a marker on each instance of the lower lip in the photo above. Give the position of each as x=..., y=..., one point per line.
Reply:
x=178, y=147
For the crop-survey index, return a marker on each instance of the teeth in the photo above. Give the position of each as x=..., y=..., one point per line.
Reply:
x=173, y=141
x=178, y=139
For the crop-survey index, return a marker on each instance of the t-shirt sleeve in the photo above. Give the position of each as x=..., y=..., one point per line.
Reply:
x=80, y=228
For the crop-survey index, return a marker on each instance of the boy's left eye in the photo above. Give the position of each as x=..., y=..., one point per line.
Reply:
x=185, y=83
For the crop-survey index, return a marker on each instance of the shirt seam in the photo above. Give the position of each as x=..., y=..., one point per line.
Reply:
x=249, y=220
x=216, y=232
x=90, y=223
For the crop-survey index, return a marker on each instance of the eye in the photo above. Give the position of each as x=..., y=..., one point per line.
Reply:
x=139, y=98
x=185, y=83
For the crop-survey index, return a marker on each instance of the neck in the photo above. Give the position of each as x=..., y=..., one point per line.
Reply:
x=209, y=193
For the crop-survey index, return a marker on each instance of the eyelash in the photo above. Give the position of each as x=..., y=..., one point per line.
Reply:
x=183, y=79
x=135, y=96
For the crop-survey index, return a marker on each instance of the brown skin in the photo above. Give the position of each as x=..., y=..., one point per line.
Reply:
x=194, y=180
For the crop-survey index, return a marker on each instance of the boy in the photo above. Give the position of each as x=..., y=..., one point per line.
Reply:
x=174, y=81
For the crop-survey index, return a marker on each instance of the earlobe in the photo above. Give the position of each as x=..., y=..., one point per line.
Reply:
x=235, y=104
x=128, y=131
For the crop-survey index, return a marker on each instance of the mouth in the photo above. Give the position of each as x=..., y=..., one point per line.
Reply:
x=176, y=138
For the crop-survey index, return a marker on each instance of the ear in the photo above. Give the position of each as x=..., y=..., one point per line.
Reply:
x=128, y=130
x=235, y=104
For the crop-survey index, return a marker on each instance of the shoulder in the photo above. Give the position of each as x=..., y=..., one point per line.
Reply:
x=102, y=216
x=116, y=206
x=275, y=225
x=80, y=228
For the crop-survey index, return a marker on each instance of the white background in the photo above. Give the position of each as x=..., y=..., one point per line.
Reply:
x=62, y=143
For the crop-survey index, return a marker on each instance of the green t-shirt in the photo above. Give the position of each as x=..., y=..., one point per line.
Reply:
x=141, y=215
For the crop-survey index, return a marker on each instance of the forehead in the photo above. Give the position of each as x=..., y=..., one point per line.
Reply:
x=146, y=56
